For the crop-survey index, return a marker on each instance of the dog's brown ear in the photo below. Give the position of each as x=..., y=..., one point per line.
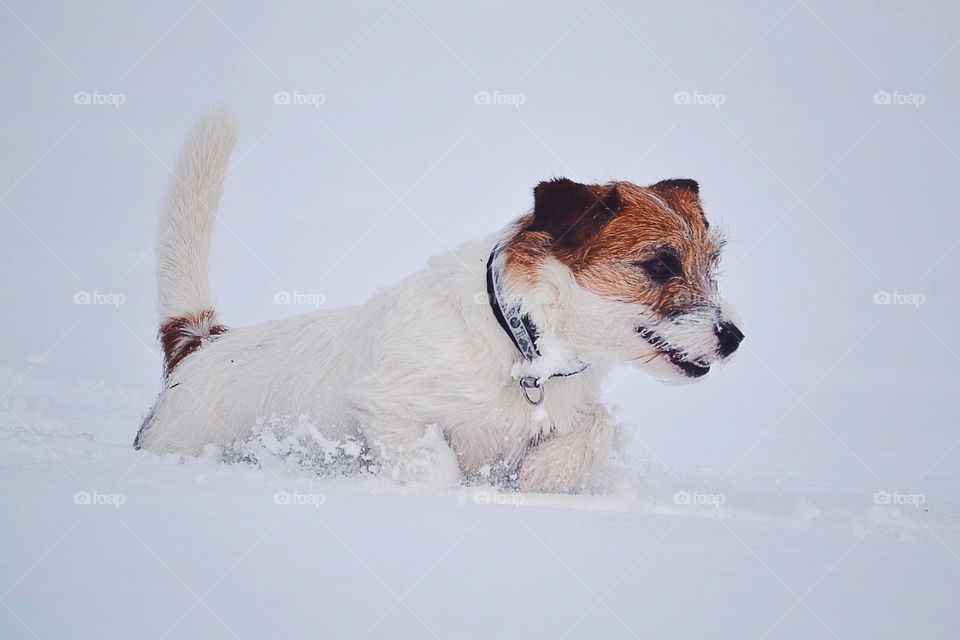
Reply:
x=571, y=212
x=682, y=192
x=683, y=184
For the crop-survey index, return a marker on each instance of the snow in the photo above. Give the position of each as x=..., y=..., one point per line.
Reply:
x=809, y=489
x=104, y=541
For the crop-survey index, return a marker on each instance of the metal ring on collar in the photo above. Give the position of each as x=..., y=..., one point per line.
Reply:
x=527, y=383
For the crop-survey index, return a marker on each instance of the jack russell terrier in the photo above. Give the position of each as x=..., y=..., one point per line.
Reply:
x=487, y=363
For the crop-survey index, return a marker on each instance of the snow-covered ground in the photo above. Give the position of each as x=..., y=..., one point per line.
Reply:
x=810, y=489
x=102, y=541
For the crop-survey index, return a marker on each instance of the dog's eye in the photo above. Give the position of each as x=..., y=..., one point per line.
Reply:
x=661, y=268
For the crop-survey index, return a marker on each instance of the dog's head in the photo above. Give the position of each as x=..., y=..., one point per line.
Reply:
x=634, y=270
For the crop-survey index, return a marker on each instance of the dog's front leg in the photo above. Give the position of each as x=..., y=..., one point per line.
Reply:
x=561, y=462
x=412, y=454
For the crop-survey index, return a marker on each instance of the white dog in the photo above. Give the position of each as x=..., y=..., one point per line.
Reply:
x=490, y=360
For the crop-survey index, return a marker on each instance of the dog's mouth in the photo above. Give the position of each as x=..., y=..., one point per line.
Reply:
x=674, y=355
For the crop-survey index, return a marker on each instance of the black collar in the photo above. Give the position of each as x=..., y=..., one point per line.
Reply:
x=521, y=330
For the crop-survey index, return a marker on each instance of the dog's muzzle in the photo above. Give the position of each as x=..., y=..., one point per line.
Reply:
x=729, y=338
x=676, y=356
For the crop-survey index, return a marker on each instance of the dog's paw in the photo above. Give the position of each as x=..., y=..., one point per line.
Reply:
x=536, y=476
x=562, y=462
x=427, y=462
x=547, y=470
x=558, y=465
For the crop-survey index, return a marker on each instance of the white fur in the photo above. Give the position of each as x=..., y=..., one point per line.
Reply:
x=422, y=371
x=186, y=222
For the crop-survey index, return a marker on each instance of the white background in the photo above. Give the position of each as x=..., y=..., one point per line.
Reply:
x=828, y=198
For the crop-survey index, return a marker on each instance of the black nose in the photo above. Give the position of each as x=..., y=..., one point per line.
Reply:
x=729, y=337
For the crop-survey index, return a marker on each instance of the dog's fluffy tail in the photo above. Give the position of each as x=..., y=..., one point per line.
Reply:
x=187, y=317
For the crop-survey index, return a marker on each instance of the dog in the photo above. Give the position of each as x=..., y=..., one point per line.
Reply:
x=488, y=363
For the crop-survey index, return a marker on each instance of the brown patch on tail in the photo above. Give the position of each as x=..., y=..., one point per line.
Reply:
x=182, y=336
